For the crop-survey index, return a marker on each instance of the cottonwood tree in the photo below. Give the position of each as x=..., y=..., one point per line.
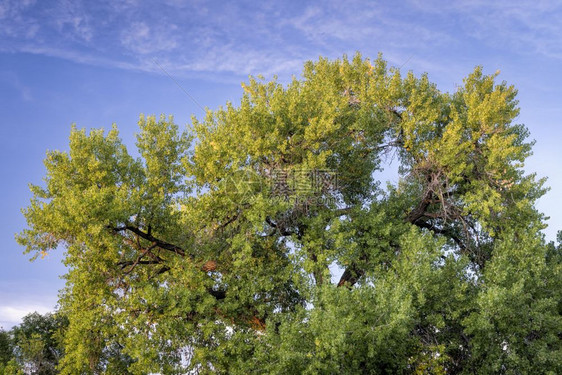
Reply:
x=259, y=240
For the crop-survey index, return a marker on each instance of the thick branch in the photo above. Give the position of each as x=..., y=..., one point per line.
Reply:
x=446, y=232
x=420, y=211
x=208, y=266
x=350, y=276
x=149, y=237
x=282, y=231
x=132, y=263
x=228, y=221
x=353, y=273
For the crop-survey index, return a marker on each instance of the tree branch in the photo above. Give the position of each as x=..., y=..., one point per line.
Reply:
x=353, y=273
x=350, y=276
x=443, y=231
x=149, y=237
x=282, y=231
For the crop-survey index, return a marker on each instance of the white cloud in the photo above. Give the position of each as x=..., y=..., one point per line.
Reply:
x=11, y=315
x=72, y=21
x=248, y=37
x=123, y=5
x=14, y=24
x=142, y=39
x=524, y=26
x=11, y=8
x=21, y=297
x=83, y=58
x=230, y=58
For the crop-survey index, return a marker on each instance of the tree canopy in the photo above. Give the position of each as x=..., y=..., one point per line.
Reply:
x=260, y=240
x=34, y=346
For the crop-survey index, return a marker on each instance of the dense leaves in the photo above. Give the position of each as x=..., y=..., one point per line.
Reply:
x=34, y=346
x=260, y=240
x=6, y=350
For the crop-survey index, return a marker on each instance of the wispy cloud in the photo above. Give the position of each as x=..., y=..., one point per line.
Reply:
x=13, y=23
x=357, y=22
x=527, y=27
x=247, y=37
x=141, y=39
x=85, y=58
x=71, y=20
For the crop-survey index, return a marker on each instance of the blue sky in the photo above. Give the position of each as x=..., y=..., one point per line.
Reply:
x=95, y=63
